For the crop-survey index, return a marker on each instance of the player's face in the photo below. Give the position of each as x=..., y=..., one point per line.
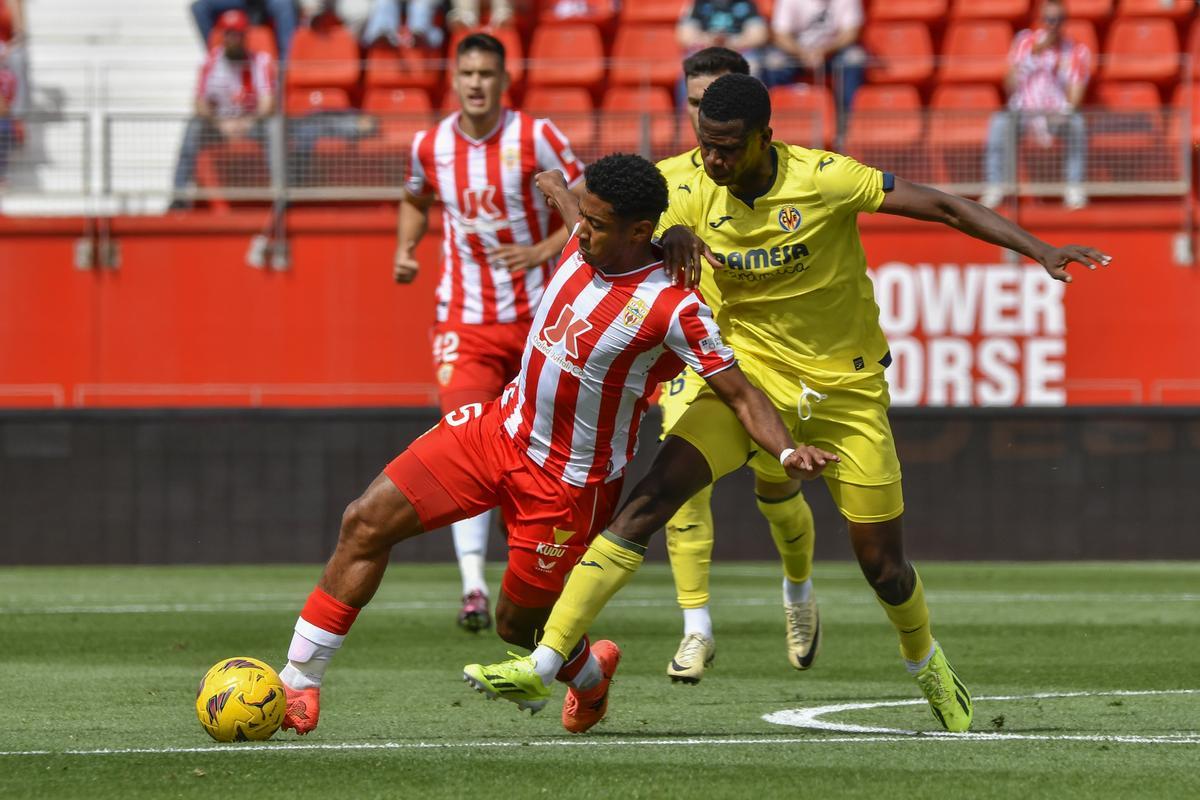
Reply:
x=603, y=236
x=695, y=90
x=479, y=82
x=730, y=152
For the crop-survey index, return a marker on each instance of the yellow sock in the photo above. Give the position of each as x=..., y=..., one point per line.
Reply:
x=689, y=546
x=792, y=528
x=607, y=565
x=911, y=621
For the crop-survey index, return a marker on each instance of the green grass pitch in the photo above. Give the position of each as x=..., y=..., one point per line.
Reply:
x=96, y=660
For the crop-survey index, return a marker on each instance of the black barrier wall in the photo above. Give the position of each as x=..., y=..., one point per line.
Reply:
x=192, y=486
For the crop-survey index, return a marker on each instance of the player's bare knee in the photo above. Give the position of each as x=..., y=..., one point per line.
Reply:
x=891, y=579
x=361, y=530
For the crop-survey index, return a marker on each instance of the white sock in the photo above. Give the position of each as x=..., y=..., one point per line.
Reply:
x=796, y=592
x=309, y=655
x=470, y=545
x=547, y=663
x=914, y=667
x=589, y=676
x=697, y=620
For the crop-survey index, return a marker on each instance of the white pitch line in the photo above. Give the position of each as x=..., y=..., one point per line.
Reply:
x=808, y=718
x=811, y=718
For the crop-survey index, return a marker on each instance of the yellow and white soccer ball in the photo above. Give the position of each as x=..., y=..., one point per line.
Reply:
x=240, y=699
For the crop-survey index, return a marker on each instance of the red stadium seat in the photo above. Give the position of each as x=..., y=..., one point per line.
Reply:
x=646, y=54
x=1083, y=32
x=514, y=53
x=885, y=117
x=976, y=51
x=1091, y=10
x=803, y=114
x=963, y=113
x=567, y=55
x=1171, y=9
x=1127, y=143
x=901, y=52
x=325, y=58
x=388, y=66
x=654, y=11
x=930, y=11
x=1142, y=50
x=308, y=101
x=402, y=114
x=1184, y=103
x=1011, y=10
x=1193, y=47
x=259, y=39
x=569, y=108
x=958, y=127
x=627, y=111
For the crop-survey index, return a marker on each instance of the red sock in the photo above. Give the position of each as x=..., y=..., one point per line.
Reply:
x=326, y=612
x=579, y=657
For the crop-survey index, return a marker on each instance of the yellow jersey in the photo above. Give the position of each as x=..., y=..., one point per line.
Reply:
x=794, y=286
x=678, y=170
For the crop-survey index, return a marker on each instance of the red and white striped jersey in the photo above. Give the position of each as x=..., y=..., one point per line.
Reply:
x=234, y=87
x=488, y=199
x=597, y=348
x=1043, y=76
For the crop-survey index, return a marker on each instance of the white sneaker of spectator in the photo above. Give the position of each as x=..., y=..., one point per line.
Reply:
x=1074, y=198
x=256, y=254
x=992, y=197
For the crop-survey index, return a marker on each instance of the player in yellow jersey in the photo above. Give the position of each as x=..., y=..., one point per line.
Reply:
x=690, y=530
x=799, y=311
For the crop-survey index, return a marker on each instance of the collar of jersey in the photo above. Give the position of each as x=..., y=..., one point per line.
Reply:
x=777, y=171
x=625, y=275
x=458, y=131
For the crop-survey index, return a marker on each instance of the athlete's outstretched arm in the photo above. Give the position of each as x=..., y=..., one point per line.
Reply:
x=760, y=419
x=913, y=200
x=552, y=184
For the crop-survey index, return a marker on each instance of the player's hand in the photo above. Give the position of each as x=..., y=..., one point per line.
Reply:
x=550, y=182
x=516, y=258
x=1057, y=260
x=405, y=267
x=807, y=462
x=684, y=254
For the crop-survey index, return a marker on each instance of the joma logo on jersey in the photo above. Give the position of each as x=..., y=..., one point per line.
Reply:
x=480, y=203
x=635, y=311
x=567, y=330
x=761, y=258
x=789, y=218
x=551, y=551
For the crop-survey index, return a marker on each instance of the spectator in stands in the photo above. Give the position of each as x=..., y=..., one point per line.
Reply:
x=281, y=14
x=464, y=14
x=816, y=36
x=9, y=132
x=13, y=35
x=735, y=24
x=1047, y=78
x=235, y=96
x=384, y=21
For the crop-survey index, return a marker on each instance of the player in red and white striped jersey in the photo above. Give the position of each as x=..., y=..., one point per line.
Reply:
x=552, y=451
x=498, y=251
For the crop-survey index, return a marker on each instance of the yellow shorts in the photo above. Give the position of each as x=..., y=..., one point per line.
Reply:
x=851, y=421
x=677, y=394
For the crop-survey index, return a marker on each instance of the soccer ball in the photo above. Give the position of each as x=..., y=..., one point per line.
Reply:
x=240, y=699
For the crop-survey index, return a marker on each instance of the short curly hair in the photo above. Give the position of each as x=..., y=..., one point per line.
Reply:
x=736, y=97
x=630, y=184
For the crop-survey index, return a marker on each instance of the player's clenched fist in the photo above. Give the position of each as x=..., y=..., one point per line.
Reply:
x=405, y=267
x=550, y=183
x=807, y=462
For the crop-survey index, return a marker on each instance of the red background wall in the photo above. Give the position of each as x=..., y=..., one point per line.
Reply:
x=183, y=320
